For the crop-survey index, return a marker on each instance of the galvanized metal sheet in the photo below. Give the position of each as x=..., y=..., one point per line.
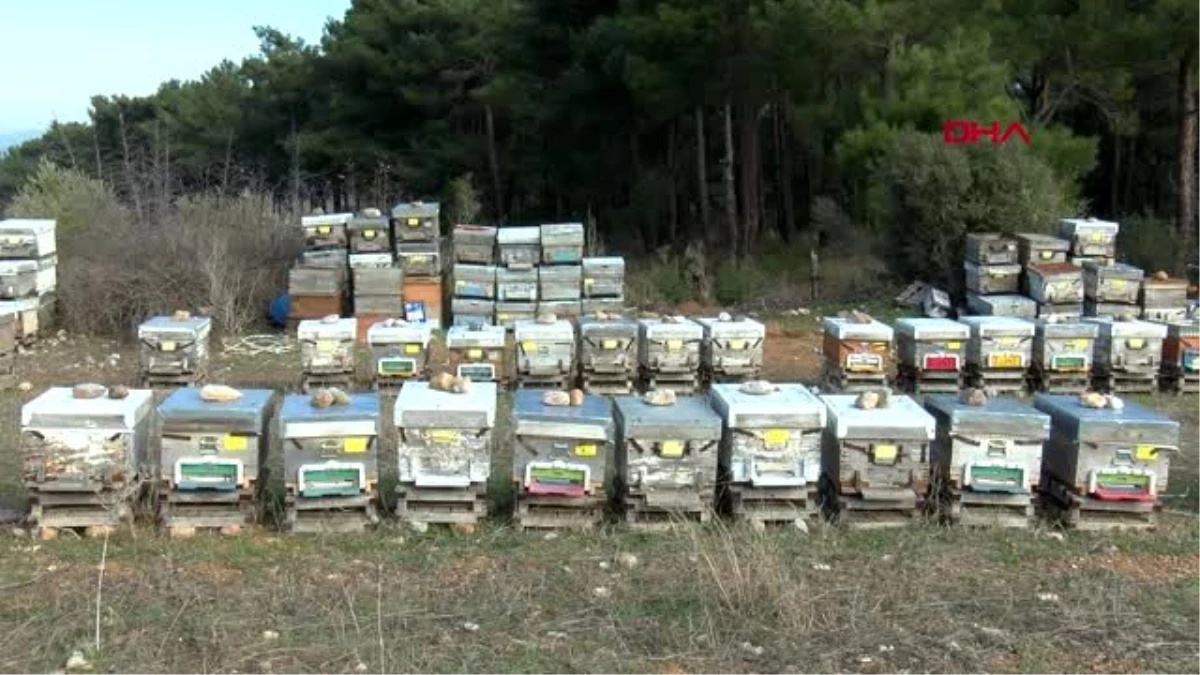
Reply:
x=519, y=236
x=58, y=407
x=1105, y=425
x=932, y=329
x=419, y=405
x=902, y=419
x=299, y=418
x=690, y=418
x=593, y=420
x=485, y=337
x=184, y=407
x=998, y=416
x=845, y=329
x=791, y=406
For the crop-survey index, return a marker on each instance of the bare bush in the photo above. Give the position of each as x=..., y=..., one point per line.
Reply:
x=223, y=256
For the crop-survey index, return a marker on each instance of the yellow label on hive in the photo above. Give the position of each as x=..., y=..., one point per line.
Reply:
x=413, y=222
x=1004, y=361
x=368, y=234
x=12, y=240
x=168, y=346
x=501, y=318
x=672, y=449
x=737, y=344
x=1145, y=453
x=953, y=345
x=589, y=282
x=474, y=353
x=323, y=229
x=419, y=258
x=412, y=349
x=585, y=450
x=443, y=436
x=234, y=443
x=1118, y=284
x=885, y=453
x=1078, y=345
x=776, y=438
x=326, y=346
x=674, y=345
x=1136, y=343
x=529, y=345
x=609, y=344
x=458, y=283
x=1096, y=236
x=355, y=444
x=1046, y=255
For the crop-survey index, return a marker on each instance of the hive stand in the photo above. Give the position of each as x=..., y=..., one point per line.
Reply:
x=463, y=508
x=765, y=507
x=310, y=382
x=1041, y=379
x=683, y=384
x=205, y=509
x=1124, y=382
x=970, y=508
x=916, y=381
x=663, y=510
x=870, y=508
x=556, y=512
x=606, y=383
x=86, y=511
x=1006, y=381
x=166, y=382
x=836, y=379
x=1060, y=503
x=530, y=381
x=330, y=514
x=1172, y=379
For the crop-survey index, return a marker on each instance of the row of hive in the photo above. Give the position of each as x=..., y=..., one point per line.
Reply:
x=763, y=452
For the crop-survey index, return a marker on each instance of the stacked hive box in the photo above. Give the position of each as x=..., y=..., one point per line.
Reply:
x=173, y=350
x=1180, y=367
x=857, y=352
x=519, y=249
x=317, y=284
x=560, y=276
x=1055, y=284
x=932, y=354
x=1128, y=354
x=1090, y=239
x=326, y=352
x=1061, y=360
x=1111, y=289
x=399, y=352
x=473, y=303
x=28, y=275
x=416, y=232
x=999, y=351
x=993, y=277
x=377, y=282
x=1163, y=299
x=603, y=285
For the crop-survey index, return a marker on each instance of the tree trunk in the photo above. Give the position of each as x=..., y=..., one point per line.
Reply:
x=702, y=175
x=731, y=220
x=1114, y=187
x=787, y=198
x=96, y=148
x=295, y=169
x=1186, y=205
x=673, y=220
x=130, y=179
x=748, y=175
x=494, y=164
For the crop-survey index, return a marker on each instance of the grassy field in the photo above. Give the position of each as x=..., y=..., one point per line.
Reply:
x=713, y=599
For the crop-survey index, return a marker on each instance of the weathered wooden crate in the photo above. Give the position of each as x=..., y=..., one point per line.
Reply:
x=327, y=345
x=416, y=221
x=875, y=462
x=445, y=445
x=770, y=452
x=991, y=248
x=986, y=460
x=1133, y=347
x=427, y=296
x=1011, y=305
x=399, y=351
x=325, y=231
x=560, y=308
x=474, y=244
x=369, y=234
x=560, y=454
x=604, y=277
x=330, y=462
x=316, y=306
x=562, y=243
x=667, y=459
x=1060, y=313
x=420, y=259
x=329, y=258
x=480, y=353
x=317, y=281
x=1041, y=249
x=1117, y=282
x=562, y=282
x=1089, y=236
x=514, y=285
x=1054, y=283
x=28, y=278
x=519, y=247
x=1063, y=354
x=932, y=352
x=378, y=280
x=992, y=279
x=1163, y=299
x=545, y=352
x=1102, y=467
x=475, y=281
x=509, y=313
x=390, y=305
x=28, y=238
x=472, y=312
x=732, y=348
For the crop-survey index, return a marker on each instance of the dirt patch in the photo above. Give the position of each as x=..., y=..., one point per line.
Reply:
x=1146, y=568
x=693, y=308
x=211, y=573
x=792, y=355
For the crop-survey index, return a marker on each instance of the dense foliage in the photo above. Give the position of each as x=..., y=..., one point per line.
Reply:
x=741, y=121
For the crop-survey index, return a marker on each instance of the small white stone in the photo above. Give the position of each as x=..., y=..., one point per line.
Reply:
x=821, y=567
x=270, y=635
x=601, y=592
x=418, y=526
x=470, y=626
x=360, y=667
x=77, y=662
x=550, y=536
x=25, y=386
x=865, y=659
x=556, y=635
x=801, y=524
x=884, y=649
x=752, y=649
x=627, y=560
x=954, y=646
x=1048, y=597
x=1056, y=536
x=604, y=564
x=888, y=557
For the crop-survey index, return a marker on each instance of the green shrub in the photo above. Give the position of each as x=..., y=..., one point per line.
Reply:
x=658, y=283
x=737, y=284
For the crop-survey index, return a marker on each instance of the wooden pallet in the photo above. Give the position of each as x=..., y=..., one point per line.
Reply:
x=206, y=509
x=391, y=385
x=546, y=512
x=1000, y=381
x=682, y=385
x=1121, y=382
x=773, y=506
x=711, y=377
x=310, y=382
x=837, y=380
x=608, y=384
x=990, y=509
x=527, y=381
x=665, y=511
x=86, y=512
x=170, y=381
x=330, y=515
x=449, y=506
x=1061, y=504
x=1173, y=380
x=916, y=381
x=871, y=509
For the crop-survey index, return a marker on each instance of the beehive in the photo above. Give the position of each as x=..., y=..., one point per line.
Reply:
x=854, y=347
x=516, y=285
x=28, y=238
x=369, y=234
x=1129, y=346
x=1181, y=369
x=28, y=278
x=562, y=243
x=416, y=222
x=999, y=343
x=732, y=347
x=471, y=312
x=1015, y=306
x=1117, y=283
x=544, y=351
x=1055, y=283
x=992, y=279
x=399, y=351
x=474, y=244
x=475, y=281
x=608, y=354
x=1089, y=236
x=509, y=313
x=478, y=353
x=990, y=248
x=931, y=350
x=174, y=346
x=604, y=277
x=325, y=258
x=327, y=346
x=445, y=437
x=560, y=451
x=563, y=308
x=325, y=231
x=519, y=247
x=1041, y=249
x=213, y=445
x=562, y=282
x=420, y=258
x=670, y=348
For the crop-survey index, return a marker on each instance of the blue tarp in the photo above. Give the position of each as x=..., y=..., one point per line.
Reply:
x=280, y=308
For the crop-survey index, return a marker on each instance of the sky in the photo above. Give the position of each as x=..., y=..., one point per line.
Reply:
x=56, y=54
